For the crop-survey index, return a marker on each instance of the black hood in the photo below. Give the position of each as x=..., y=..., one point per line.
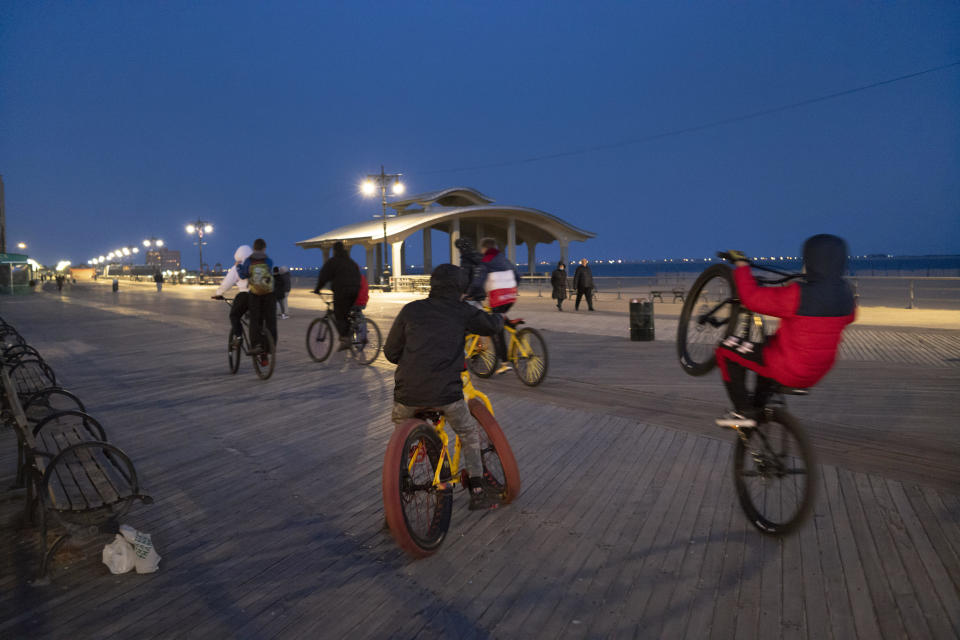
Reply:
x=447, y=281
x=339, y=249
x=825, y=257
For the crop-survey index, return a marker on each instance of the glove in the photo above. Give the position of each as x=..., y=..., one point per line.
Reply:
x=737, y=255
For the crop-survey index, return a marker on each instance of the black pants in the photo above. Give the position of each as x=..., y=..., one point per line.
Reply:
x=262, y=309
x=586, y=291
x=239, y=307
x=343, y=300
x=500, y=338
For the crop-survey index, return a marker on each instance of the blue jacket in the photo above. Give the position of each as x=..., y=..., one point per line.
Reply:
x=244, y=269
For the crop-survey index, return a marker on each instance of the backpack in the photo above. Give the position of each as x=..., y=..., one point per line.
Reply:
x=260, y=281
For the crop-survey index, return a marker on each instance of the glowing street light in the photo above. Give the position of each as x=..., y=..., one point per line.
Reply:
x=200, y=227
x=21, y=245
x=369, y=188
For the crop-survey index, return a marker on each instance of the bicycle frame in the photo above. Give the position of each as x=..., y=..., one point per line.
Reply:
x=514, y=345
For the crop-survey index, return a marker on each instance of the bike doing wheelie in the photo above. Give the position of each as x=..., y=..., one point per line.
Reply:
x=722, y=322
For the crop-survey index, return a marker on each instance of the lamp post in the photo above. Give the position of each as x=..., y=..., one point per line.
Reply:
x=200, y=227
x=369, y=188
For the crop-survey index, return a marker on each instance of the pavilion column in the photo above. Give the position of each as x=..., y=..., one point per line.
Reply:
x=454, y=236
x=371, y=263
x=532, y=257
x=427, y=251
x=564, y=244
x=397, y=253
x=512, y=240
x=403, y=253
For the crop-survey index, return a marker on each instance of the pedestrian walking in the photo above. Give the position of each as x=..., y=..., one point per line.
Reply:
x=583, y=283
x=158, y=278
x=558, y=280
x=281, y=287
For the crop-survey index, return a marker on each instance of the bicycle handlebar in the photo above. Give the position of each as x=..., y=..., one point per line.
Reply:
x=784, y=275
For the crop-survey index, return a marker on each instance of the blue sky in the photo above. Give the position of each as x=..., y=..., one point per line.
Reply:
x=121, y=120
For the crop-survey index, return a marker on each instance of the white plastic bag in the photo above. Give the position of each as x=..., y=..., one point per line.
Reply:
x=119, y=555
x=147, y=559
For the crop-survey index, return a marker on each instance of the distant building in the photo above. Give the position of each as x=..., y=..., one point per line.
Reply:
x=165, y=259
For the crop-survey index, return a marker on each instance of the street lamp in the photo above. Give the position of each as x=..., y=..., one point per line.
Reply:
x=200, y=227
x=369, y=188
x=21, y=245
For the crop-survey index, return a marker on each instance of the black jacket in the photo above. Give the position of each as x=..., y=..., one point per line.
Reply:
x=427, y=338
x=583, y=278
x=558, y=280
x=340, y=271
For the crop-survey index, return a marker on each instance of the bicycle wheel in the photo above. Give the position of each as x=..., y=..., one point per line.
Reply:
x=482, y=360
x=365, y=344
x=773, y=470
x=499, y=466
x=528, y=353
x=708, y=316
x=264, y=371
x=417, y=513
x=233, y=352
x=320, y=337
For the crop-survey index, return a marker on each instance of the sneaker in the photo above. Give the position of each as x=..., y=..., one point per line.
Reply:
x=735, y=420
x=284, y=316
x=480, y=498
x=504, y=368
x=236, y=342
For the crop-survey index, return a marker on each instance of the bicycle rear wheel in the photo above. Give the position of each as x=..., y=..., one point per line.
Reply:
x=365, y=343
x=482, y=360
x=233, y=352
x=418, y=514
x=264, y=371
x=320, y=336
x=773, y=470
x=708, y=316
x=529, y=356
x=499, y=465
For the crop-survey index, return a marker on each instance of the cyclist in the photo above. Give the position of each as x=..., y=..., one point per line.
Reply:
x=258, y=270
x=241, y=301
x=426, y=344
x=813, y=316
x=344, y=277
x=495, y=276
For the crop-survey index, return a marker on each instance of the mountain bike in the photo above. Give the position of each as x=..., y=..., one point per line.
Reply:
x=365, y=339
x=526, y=350
x=420, y=472
x=773, y=464
x=238, y=346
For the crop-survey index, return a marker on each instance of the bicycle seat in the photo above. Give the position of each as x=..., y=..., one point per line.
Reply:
x=792, y=391
x=513, y=323
x=430, y=415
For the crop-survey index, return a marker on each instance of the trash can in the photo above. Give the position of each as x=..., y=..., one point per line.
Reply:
x=641, y=320
x=116, y=284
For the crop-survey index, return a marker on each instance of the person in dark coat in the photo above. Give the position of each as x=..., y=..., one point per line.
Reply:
x=281, y=287
x=158, y=280
x=426, y=344
x=558, y=280
x=343, y=274
x=583, y=283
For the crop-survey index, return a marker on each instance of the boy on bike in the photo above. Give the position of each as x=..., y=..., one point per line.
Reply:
x=426, y=343
x=813, y=315
x=258, y=270
x=495, y=276
x=241, y=300
x=344, y=277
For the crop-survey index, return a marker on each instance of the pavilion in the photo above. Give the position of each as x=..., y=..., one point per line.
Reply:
x=459, y=212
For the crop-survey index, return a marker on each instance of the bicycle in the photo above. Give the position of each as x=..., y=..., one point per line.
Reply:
x=420, y=472
x=365, y=339
x=775, y=455
x=238, y=346
x=526, y=350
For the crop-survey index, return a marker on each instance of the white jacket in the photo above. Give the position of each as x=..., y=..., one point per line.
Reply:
x=232, y=278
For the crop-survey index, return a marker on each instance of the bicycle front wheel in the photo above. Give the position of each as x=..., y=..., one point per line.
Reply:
x=499, y=466
x=708, y=316
x=528, y=352
x=264, y=371
x=320, y=336
x=418, y=513
x=233, y=353
x=482, y=359
x=365, y=342
x=773, y=470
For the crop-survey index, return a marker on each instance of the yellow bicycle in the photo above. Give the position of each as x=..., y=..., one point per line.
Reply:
x=526, y=350
x=420, y=472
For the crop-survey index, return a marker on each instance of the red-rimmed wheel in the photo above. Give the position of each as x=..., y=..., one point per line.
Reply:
x=418, y=513
x=499, y=466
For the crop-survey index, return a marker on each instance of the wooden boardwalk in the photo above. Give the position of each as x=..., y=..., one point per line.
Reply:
x=269, y=521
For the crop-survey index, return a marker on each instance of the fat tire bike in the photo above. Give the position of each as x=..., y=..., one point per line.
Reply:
x=773, y=464
x=526, y=351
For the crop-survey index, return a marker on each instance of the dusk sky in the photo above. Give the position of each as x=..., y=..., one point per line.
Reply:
x=122, y=120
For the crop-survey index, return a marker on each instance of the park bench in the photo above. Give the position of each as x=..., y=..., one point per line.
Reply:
x=73, y=476
x=677, y=292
